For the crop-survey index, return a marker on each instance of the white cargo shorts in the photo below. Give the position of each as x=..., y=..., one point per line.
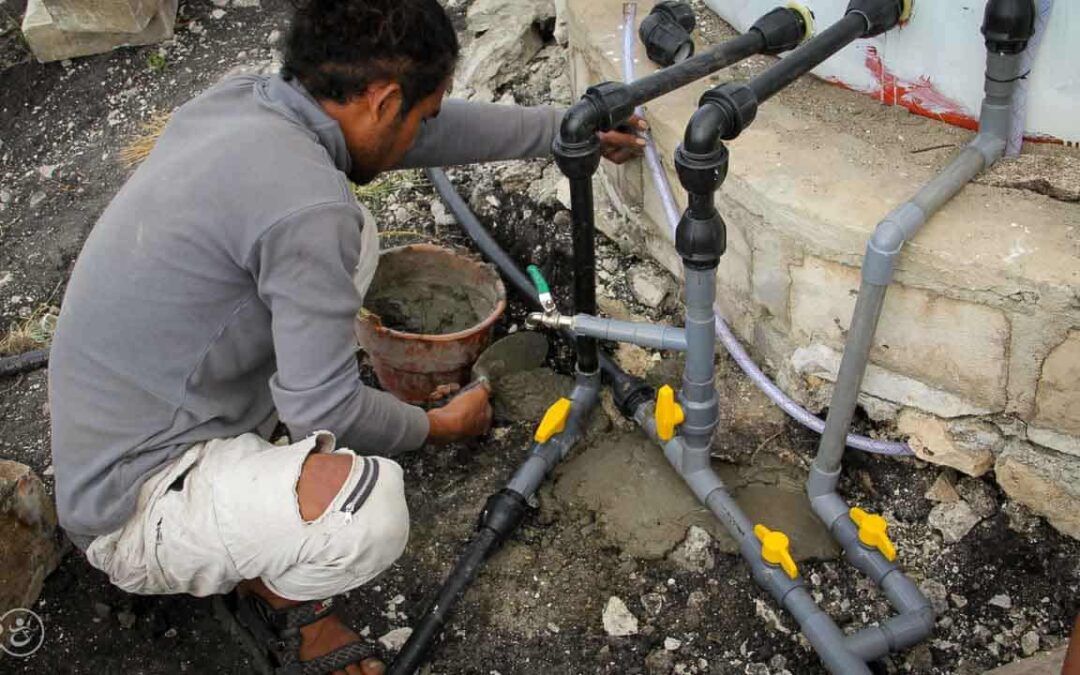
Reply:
x=227, y=510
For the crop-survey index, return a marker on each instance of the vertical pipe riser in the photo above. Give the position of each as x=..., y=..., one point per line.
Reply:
x=699, y=389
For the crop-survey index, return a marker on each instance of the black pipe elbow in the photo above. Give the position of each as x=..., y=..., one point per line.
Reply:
x=880, y=15
x=702, y=135
x=579, y=122
x=1008, y=25
x=781, y=29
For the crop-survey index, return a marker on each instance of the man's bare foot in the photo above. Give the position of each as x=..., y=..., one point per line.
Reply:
x=326, y=635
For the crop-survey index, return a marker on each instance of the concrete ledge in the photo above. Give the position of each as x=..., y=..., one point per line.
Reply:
x=984, y=294
x=51, y=43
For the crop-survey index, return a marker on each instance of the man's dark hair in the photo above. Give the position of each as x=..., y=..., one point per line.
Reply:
x=336, y=48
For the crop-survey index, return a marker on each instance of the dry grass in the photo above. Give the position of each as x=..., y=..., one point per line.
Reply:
x=34, y=332
x=139, y=147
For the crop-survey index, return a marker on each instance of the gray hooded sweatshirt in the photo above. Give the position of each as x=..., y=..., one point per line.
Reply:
x=217, y=288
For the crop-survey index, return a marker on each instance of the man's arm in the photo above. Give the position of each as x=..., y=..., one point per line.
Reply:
x=304, y=266
x=467, y=132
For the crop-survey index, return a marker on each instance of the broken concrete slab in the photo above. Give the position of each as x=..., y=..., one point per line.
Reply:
x=49, y=43
x=1046, y=482
x=102, y=16
x=931, y=441
x=645, y=508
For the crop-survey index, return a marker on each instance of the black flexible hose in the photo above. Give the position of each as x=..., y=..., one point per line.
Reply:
x=25, y=362
x=414, y=652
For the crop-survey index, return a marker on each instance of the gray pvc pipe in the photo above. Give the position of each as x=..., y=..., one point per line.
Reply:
x=903, y=223
x=634, y=332
x=545, y=456
x=724, y=333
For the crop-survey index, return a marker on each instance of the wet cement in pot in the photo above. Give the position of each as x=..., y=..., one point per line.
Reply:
x=427, y=309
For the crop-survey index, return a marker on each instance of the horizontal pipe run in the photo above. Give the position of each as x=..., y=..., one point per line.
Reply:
x=808, y=56
x=694, y=68
x=641, y=334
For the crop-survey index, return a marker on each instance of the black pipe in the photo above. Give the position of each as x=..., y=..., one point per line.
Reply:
x=584, y=240
x=25, y=362
x=502, y=514
x=809, y=55
x=620, y=380
x=669, y=79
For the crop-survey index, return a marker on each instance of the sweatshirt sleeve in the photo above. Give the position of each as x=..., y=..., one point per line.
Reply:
x=304, y=266
x=467, y=132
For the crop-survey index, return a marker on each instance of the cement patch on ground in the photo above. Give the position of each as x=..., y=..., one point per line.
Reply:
x=644, y=507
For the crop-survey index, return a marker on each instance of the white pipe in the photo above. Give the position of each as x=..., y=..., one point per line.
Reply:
x=723, y=331
x=1019, y=105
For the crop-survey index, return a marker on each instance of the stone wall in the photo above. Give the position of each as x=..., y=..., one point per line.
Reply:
x=977, y=358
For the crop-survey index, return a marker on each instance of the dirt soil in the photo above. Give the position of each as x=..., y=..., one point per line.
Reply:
x=537, y=605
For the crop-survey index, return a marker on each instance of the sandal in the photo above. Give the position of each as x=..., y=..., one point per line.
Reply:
x=272, y=636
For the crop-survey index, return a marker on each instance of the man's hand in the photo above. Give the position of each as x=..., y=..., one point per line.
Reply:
x=466, y=415
x=622, y=144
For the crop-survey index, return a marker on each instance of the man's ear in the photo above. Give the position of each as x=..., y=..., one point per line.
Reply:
x=385, y=100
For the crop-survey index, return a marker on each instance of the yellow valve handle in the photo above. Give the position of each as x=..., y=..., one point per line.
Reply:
x=669, y=414
x=554, y=421
x=873, y=532
x=775, y=549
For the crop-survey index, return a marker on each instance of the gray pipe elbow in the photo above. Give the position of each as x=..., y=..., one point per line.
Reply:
x=990, y=144
x=889, y=237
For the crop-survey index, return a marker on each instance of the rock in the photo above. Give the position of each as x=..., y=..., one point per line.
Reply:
x=217, y=14
x=443, y=218
x=1050, y=663
x=694, y=553
x=126, y=618
x=649, y=288
x=672, y=644
x=49, y=42
x=1029, y=643
x=36, y=198
x=979, y=496
x=954, y=520
x=1020, y=517
x=273, y=37
x=943, y=490
x=958, y=600
x=937, y=594
x=653, y=603
x=102, y=610
x=920, y=659
x=171, y=633
x=509, y=40
x=1059, y=388
x=618, y=621
x=767, y=614
x=931, y=441
x=1001, y=600
x=560, y=90
x=778, y=662
x=660, y=662
x=246, y=3
x=101, y=16
x=28, y=549
x=395, y=639
x=1046, y=482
